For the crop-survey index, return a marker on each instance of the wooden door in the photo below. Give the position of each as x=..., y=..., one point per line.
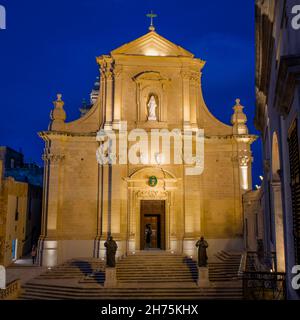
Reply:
x=154, y=222
x=153, y=213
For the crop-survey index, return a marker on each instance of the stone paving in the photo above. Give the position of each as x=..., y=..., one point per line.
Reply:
x=24, y=270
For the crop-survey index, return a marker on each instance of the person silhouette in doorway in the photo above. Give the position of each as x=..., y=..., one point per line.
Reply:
x=148, y=236
x=33, y=254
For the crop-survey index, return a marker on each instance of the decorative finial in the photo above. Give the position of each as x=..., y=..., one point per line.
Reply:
x=239, y=119
x=58, y=114
x=151, y=16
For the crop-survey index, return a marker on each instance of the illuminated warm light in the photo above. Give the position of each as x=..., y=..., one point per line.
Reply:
x=261, y=178
x=153, y=52
x=244, y=175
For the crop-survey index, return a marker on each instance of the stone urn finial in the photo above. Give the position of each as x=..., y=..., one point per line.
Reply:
x=239, y=119
x=58, y=115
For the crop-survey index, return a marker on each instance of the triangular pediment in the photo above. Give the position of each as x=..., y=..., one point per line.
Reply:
x=152, y=44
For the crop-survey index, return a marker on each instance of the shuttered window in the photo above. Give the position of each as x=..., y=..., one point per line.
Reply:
x=295, y=186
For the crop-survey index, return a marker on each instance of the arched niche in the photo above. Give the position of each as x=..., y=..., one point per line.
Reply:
x=151, y=83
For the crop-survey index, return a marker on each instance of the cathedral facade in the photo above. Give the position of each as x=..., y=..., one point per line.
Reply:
x=147, y=85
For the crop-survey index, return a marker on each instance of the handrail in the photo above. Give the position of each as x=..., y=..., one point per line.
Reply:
x=12, y=291
x=259, y=285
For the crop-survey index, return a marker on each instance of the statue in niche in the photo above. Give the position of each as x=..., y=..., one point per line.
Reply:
x=152, y=105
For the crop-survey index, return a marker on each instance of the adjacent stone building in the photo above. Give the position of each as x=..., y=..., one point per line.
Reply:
x=277, y=118
x=147, y=84
x=20, y=205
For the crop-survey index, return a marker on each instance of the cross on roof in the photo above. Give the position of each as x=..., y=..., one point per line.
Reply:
x=151, y=15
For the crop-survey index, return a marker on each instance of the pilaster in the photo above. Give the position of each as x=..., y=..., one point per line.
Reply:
x=186, y=98
x=117, y=97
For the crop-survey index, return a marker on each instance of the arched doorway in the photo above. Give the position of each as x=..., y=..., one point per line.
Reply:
x=154, y=204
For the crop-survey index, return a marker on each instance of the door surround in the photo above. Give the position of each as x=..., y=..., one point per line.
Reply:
x=139, y=189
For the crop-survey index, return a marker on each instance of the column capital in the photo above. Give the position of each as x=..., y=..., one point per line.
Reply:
x=53, y=158
x=118, y=71
x=186, y=74
x=244, y=160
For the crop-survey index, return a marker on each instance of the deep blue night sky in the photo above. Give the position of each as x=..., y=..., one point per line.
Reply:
x=50, y=47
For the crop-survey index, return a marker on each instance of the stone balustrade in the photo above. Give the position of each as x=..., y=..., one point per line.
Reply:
x=12, y=291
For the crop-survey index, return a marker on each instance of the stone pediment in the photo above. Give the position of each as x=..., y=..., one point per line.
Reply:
x=149, y=76
x=152, y=44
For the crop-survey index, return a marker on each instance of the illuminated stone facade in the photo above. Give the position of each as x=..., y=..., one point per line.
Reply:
x=84, y=201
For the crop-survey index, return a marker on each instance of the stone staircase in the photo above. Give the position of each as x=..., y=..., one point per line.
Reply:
x=74, y=269
x=145, y=275
x=225, y=267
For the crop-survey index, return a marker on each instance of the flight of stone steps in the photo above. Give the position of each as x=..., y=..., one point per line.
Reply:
x=145, y=275
x=225, y=267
